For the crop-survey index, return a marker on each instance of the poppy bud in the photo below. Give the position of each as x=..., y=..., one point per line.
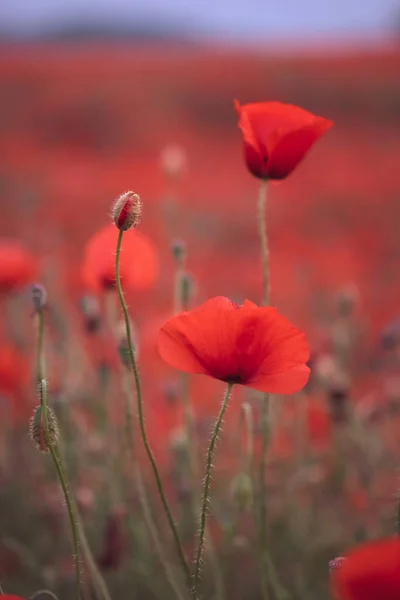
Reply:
x=92, y=314
x=242, y=491
x=37, y=429
x=178, y=249
x=127, y=211
x=171, y=392
x=337, y=563
x=346, y=301
x=39, y=297
x=338, y=398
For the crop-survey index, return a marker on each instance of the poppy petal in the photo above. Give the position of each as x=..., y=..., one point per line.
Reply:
x=292, y=148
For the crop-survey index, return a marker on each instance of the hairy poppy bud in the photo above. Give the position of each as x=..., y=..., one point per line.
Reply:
x=37, y=431
x=337, y=563
x=39, y=297
x=127, y=211
x=242, y=491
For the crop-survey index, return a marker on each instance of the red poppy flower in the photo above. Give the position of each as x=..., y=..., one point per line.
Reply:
x=250, y=345
x=10, y=597
x=17, y=266
x=138, y=262
x=277, y=136
x=372, y=572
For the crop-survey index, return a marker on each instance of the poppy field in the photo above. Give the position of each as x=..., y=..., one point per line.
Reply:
x=199, y=323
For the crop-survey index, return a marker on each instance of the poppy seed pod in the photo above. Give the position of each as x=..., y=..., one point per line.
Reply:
x=127, y=211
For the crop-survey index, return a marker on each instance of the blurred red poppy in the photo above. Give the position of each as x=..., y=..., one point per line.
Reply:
x=10, y=597
x=138, y=263
x=17, y=266
x=372, y=572
x=249, y=345
x=277, y=136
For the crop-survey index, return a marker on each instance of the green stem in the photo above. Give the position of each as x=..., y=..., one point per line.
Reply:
x=262, y=518
x=144, y=503
x=96, y=576
x=40, y=374
x=262, y=525
x=262, y=230
x=206, y=490
x=63, y=482
x=1, y=590
x=247, y=417
x=146, y=444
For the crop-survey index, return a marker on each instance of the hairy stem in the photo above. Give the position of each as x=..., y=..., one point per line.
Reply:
x=206, y=489
x=146, y=444
x=96, y=576
x=144, y=503
x=63, y=482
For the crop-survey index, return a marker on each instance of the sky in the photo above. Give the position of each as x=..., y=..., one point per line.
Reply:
x=236, y=20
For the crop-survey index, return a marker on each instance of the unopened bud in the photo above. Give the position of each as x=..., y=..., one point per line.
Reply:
x=178, y=249
x=39, y=297
x=37, y=430
x=127, y=211
x=173, y=161
x=92, y=313
x=337, y=563
x=346, y=300
x=242, y=491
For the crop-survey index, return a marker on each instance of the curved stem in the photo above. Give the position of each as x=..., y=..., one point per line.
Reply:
x=146, y=444
x=144, y=503
x=43, y=593
x=262, y=230
x=63, y=482
x=206, y=490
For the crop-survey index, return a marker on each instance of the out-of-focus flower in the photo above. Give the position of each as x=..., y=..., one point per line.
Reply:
x=371, y=572
x=138, y=261
x=277, y=136
x=173, y=161
x=249, y=345
x=17, y=267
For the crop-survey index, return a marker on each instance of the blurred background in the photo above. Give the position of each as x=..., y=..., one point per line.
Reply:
x=98, y=99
